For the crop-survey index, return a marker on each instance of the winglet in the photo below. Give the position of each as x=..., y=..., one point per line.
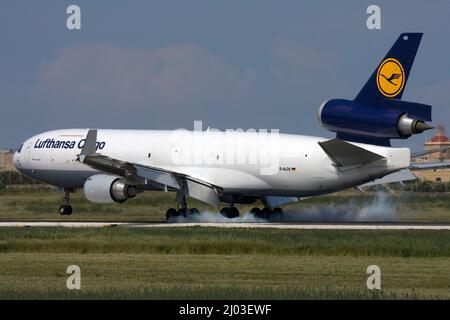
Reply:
x=90, y=143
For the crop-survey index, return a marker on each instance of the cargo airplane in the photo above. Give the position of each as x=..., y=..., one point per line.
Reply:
x=114, y=165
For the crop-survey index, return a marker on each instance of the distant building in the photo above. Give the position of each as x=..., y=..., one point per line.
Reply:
x=440, y=140
x=6, y=163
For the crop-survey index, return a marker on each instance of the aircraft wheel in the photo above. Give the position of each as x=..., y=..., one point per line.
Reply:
x=277, y=214
x=255, y=211
x=65, y=210
x=234, y=212
x=183, y=212
x=265, y=213
x=277, y=210
x=171, y=213
x=194, y=211
x=226, y=212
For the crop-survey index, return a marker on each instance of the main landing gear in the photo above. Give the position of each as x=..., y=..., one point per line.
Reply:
x=66, y=209
x=182, y=210
x=229, y=212
x=273, y=215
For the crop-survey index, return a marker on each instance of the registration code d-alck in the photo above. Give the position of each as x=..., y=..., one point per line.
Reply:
x=226, y=310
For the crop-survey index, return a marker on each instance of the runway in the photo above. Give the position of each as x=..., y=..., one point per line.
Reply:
x=292, y=225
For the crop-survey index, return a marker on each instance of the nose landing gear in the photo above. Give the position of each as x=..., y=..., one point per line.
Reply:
x=65, y=209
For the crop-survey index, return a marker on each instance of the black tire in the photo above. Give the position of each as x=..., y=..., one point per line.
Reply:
x=183, y=212
x=234, y=213
x=230, y=212
x=277, y=214
x=265, y=213
x=255, y=211
x=277, y=210
x=194, y=211
x=225, y=212
x=62, y=210
x=171, y=213
x=65, y=210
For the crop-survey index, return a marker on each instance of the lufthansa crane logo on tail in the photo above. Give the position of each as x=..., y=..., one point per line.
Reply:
x=390, y=77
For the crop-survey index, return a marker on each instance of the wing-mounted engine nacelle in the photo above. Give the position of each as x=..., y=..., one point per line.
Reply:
x=393, y=119
x=102, y=188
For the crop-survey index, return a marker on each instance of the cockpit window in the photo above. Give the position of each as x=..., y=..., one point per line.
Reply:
x=20, y=149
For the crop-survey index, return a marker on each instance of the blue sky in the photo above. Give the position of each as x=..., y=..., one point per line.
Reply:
x=232, y=64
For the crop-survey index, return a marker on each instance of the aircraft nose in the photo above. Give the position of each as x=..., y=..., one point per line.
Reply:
x=16, y=160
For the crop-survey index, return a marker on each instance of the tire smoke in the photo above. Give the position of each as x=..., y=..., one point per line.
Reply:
x=380, y=208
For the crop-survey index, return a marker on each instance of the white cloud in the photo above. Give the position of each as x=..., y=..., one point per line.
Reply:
x=302, y=69
x=179, y=76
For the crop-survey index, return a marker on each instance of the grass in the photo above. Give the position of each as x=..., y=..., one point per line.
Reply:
x=220, y=263
x=221, y=241
x=41, y=204
x=156, y=276
x=210, y=263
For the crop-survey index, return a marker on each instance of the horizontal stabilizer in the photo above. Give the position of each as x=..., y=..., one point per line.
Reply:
x=425, y=152
x=398, y=176
x=345, y=154
x=430, y=166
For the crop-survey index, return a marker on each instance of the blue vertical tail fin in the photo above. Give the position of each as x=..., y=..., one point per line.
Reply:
x=389, y=79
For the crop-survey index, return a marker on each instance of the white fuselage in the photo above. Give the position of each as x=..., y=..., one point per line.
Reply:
x=241, y=163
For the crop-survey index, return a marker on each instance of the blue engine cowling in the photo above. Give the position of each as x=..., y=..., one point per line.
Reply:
x=391, y=119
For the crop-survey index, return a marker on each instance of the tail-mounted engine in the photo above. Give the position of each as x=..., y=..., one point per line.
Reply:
x=391, y=119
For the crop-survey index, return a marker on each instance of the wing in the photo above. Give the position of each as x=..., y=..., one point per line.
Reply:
x=148, y=175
